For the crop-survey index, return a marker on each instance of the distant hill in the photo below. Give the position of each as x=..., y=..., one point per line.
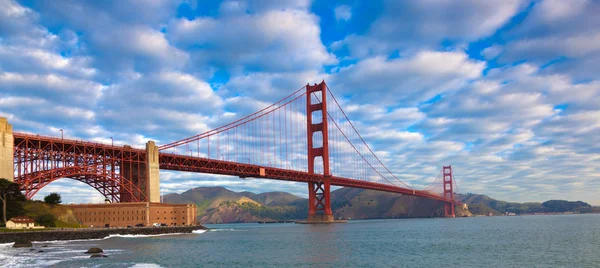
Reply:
x=204, y=197
x=273, y=198
x=219, y=205
x=368, y=204
x=482, y=205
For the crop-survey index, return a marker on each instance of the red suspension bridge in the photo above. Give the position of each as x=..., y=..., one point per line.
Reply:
x=304, y=137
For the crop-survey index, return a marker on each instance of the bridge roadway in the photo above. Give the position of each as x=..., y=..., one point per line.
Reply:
x=211, y=166
x=60, y=149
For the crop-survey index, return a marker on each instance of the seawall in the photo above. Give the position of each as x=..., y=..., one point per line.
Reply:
x=82, y=234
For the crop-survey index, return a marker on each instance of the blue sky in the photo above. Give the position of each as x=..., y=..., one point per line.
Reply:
x=506, y=91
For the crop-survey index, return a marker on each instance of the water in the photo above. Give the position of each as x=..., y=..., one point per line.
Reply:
x=527, y=241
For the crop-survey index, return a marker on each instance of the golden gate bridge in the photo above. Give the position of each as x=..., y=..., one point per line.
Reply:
x=304, y=137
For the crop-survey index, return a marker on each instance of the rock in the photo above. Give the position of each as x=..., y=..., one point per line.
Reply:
x=40, y=251
x=98, y=255
x=94, y=250
x=31, y=249
x=45, y=246
x=22, y=244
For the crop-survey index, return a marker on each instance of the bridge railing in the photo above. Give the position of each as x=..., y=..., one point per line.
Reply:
x=76, y=141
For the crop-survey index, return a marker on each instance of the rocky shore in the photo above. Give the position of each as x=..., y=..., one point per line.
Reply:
x=81, y=234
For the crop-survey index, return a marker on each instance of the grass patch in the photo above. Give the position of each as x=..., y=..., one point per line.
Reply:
x=62, y=224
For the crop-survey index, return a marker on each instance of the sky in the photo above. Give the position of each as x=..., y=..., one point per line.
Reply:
x=507, y=91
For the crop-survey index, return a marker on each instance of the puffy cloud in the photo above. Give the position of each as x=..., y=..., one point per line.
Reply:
x=520, y=125
x=119, y=41
x=271, y=41
x=343, y=12
x=156, y=102
x=60, y=89
x=270, y=87
x=35, y=60
x=559, y=33
x=410, y=24
x=410, y=80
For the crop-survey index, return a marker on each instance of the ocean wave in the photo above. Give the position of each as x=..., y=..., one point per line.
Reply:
x=98, y=239
x=227, y=230
x=20, y=258
x=139, y=236
x=67, y=241
x=198, y=231
x=145, y=265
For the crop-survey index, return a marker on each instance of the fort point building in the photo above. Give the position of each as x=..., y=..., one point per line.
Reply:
x=135, y=213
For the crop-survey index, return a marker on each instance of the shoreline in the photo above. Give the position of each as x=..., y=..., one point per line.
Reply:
x=87, y=234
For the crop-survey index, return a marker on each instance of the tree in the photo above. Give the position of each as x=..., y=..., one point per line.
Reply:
x=10, y=193
x=46, y=220
x=53, y=199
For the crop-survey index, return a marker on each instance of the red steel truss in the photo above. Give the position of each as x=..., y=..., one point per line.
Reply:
x=40, y=160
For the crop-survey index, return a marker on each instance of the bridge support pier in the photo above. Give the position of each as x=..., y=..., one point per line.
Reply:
x=152, y=169
x=6, y=150
x=146, y=176
x=319, y=207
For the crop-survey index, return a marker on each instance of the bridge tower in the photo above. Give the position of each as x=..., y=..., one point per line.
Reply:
x=319, y=207
x=6, y=150
x=448, y=191
x=145, y=175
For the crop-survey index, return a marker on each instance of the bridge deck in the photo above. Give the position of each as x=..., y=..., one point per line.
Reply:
x=220, y=167
x=204, y=165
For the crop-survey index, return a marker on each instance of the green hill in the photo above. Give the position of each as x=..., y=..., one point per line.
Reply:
x=482, y=205
x=219, y=205
x=273, y=198
x=63, y=215
x=45, y=214
x=369, y=204
x=204, y=197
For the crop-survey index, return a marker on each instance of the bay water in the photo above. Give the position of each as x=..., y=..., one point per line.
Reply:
x=518, y=241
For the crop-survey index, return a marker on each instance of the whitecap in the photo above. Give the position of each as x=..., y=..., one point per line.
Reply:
x=140, y=236
x=145, y=265
x=227, y=230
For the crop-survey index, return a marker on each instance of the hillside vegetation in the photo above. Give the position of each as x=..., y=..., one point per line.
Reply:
x=482, y=205
x=63, y=216
x=219, y=205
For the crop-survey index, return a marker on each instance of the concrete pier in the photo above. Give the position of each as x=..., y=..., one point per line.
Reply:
x=153, y=172
x=6, y=150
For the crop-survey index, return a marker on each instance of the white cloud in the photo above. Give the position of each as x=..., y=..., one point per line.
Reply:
x=491, y=52
x=343, y=12
x=406, y=25
x=412, y=79
x=562, y=31
x=277, y=40
x=518, y=132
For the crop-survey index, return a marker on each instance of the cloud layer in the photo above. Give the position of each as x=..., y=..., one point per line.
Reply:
x=505, y=91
